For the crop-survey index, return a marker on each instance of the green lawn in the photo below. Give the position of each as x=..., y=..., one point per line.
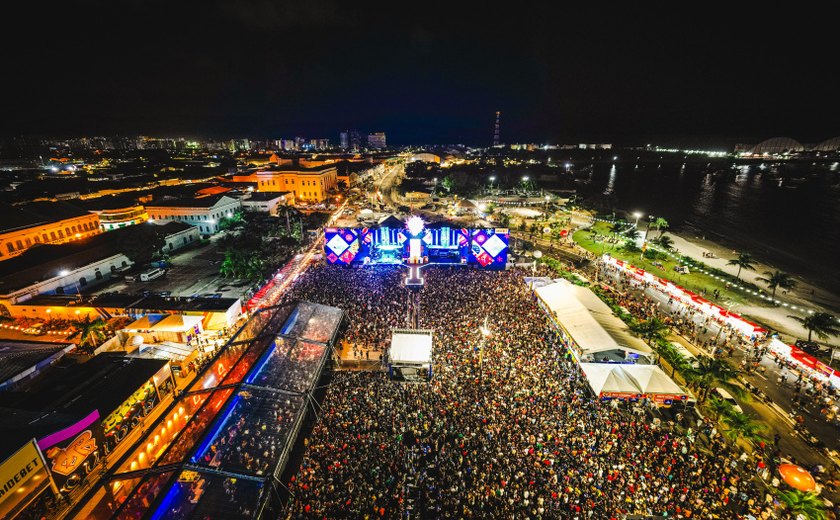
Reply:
x=694, y=281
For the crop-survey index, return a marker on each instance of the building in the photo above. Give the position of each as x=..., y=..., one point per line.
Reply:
x=204, y=213
x=215, y=313
x=344, y=140
x=43, y=223
x=376, y=140
x=21, y=361
x=308, y=186
x=355, y=140
x=60, y=269
x=117, y=211
x=268, y=202
x=67, y=421
x=177, y=235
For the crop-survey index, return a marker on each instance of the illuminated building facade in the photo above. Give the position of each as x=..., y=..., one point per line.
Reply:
x=308, y=186
x=23, y=227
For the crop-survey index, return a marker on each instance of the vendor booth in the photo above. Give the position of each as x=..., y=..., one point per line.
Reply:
x=588, y=326
x=410, y=355
x=811, y=366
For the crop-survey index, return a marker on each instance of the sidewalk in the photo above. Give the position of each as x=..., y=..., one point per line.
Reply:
x=776, y=317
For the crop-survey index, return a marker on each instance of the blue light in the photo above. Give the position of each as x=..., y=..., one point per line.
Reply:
x=208, y=439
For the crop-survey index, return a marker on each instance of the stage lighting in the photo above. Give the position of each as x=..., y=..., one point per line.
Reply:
x=415, y=225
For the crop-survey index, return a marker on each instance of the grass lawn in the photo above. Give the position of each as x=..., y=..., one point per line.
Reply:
x=694, y=281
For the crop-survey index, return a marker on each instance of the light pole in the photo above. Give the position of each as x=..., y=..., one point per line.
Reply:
x=485, y=333
x=492, y=178
x=638, y=216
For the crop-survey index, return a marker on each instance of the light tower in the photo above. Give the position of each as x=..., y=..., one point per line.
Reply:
x=496, y=130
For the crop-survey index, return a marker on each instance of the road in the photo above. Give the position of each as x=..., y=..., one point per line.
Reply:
x=776, y=413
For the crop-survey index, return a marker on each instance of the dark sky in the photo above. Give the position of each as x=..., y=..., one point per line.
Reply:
x=422, y=72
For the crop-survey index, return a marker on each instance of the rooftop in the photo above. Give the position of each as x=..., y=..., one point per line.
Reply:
x=16, y=357
x=71, y=391
x=262, y=196
x=16, y=218
x=203, y=202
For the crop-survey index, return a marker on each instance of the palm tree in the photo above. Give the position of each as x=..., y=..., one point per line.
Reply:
x=630, y=247
x=653, y=330
x=742, y=425
x=744, y=261
x=661, y=225
x=808, y=505
x=719, y=407
x=775, y=279
x=664, y=242
x=821, y=323
x=91, y=332
x=713, y=372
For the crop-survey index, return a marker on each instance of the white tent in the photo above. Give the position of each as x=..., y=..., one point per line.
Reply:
x=652, y=380
x=607, y=377
x=589, y=321
x=143, y=324
x=630, y=380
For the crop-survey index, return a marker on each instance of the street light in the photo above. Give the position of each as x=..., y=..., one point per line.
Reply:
x=638, y=216
x=485, y=333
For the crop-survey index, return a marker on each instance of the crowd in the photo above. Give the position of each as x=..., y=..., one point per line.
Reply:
x=507, y=427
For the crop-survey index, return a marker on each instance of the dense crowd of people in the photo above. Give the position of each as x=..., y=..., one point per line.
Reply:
x=506, y=428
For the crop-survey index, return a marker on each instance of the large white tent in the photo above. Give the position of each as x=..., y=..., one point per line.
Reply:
x=589, y=321
x=631, y=381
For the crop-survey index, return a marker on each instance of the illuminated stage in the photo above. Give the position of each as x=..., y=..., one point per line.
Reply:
x=417, y=243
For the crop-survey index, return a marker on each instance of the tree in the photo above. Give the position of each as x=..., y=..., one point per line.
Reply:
x=744, y=261
x=91, y=332
x=448, y=183
x=652, y=330
x=719, y=407
x=776, y=279
x=741, y=425
x=713, y=372
x=808, y=505
x=822, y=324
x=664, y=242
x=141, y=243
x=661, y=225
x=233, y=222
x=630, y=246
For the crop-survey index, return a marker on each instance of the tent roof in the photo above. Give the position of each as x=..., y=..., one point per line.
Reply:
x=606, y=377
x=629, y=378
x=146, y=322
x=652, y=380
x=411, y=348
x=177, y=323
x=588, y=320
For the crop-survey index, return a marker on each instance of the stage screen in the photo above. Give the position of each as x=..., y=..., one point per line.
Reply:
x=343, y=246
x=483, y=248
x=488, y=247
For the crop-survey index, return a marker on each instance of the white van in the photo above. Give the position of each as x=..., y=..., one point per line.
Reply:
x=726, y=396
x=152, y=275
x=685, y=353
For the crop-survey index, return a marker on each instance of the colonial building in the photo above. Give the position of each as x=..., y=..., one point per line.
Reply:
x=267, y=202
x=205, y=213
x=309, y=186
x=43, y=223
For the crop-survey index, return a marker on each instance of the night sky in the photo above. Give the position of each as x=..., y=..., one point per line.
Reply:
x=422, y=72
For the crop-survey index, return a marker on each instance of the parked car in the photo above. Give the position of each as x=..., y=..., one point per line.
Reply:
x=681, y=269
x=726, y=396
x=811, y=347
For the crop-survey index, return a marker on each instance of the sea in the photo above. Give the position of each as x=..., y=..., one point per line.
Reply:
x=786, y=214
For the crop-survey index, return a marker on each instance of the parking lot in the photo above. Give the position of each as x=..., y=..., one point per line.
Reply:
x=194, y=272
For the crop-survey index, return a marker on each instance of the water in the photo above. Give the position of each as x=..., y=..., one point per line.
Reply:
x=787, y=215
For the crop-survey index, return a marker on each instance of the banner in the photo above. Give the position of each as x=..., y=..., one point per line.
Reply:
x=16, y=472
x=74, y=452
